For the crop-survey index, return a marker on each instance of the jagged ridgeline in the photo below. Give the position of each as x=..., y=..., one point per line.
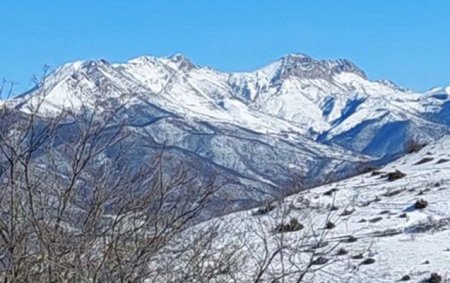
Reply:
x=293, y=124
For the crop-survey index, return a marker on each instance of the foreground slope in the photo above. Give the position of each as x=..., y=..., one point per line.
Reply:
x=380, y=233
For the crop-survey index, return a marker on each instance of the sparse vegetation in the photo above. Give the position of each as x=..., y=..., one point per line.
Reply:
x=79, y=220
x=292, y=226
x=376, y=219
x=403, y=215
x=395, y=175
x=330, y=225
x=351, y=239
x=320, y=260
x=330, y=192
x=358, y=256
x=264, y=210
x=347, y=212
x=376, y=173
x=405, y=278
x=424, y=160
x=333, y=208
x=368, y=261
x=392, y=193
x=414, y=146
x=434, y=278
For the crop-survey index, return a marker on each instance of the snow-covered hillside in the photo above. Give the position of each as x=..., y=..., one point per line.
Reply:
x=388, y=225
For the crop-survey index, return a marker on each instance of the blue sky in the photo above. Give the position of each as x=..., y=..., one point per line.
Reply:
x=407, y=41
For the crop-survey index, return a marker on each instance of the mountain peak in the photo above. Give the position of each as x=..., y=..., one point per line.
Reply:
x=392, y=85
x=177, y=61
x=439, y=90
x=304, y=66
x=181, y=61
x=297, y=58
x=143, y=60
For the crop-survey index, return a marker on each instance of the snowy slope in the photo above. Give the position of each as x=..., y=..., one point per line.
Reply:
x=337, y=103
x=387, y=228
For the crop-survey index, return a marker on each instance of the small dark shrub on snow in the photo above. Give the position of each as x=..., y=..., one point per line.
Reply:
x=264, y=210
x=406, y=278
x=292, y=226
x=395, y=175
x=342, y=251
x=434, y=278
x=368, y=261
x=330, y=225
x=320, y=261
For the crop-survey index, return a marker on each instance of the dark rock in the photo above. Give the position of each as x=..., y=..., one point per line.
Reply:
x=330, y=225
x=421, y=204
x=434, y=278
x=376, y=173
x=376, y=219
x=320, y=260
x=334, y=208
x=403, y=215
x=395, y=175
x=341, y=251
x=392, y=193
x=330, y=192
x=424, y=160
x=368, y=261
x=347, y=212
x=292, y=226
x=406, y=278
x=351, y=239
x=414, y=146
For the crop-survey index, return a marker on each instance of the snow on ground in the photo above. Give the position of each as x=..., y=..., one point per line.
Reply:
x=401, y=239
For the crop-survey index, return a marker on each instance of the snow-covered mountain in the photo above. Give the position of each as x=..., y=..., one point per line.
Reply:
x=297, y=118
x=329, y=101
x=336, y=103
x=388, y=225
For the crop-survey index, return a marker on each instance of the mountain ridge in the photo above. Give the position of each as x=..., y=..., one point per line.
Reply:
x=314, y=119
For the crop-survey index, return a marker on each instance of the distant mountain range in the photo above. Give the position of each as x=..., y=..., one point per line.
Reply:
x=295, y=119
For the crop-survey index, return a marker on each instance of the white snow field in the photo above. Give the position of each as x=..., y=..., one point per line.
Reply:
x=402, y=240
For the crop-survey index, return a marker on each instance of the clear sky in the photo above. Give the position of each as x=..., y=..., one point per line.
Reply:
x=407, y=41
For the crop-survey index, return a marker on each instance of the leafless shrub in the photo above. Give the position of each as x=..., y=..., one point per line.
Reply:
x=73, y=205
x=414, y=146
